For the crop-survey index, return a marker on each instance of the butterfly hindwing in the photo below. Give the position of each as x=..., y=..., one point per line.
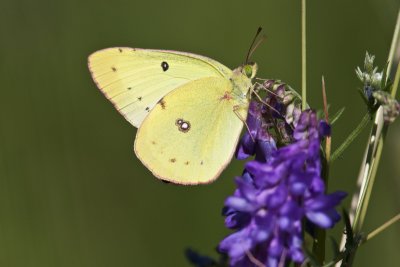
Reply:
x=190, y=135
x=134, y=80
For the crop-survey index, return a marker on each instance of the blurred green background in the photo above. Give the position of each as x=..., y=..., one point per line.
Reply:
x=72, y=192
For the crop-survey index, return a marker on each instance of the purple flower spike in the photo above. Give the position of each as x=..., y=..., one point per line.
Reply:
x=279, y=189
x=256, y=140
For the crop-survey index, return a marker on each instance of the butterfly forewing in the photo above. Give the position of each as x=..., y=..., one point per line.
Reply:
x=134, y=80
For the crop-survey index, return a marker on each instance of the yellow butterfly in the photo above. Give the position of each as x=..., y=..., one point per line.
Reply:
x=189, y=109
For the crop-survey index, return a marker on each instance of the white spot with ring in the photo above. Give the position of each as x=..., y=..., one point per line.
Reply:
x=185, y=126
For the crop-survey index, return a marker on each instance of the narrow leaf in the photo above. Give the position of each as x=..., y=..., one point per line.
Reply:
x=384, y=76
x=312, y=258
x=364, y=122
x=337, y=115
x=335, y=247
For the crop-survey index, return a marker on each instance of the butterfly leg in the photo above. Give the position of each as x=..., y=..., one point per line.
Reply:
x=236, y=110
x=259, y=97
x=263, y=87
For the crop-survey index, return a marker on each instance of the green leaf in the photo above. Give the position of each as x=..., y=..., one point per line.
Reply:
x=352, y=136
x=312, y=258
x=337, y=115
x=308, y=241
x=384, y=76
x=330, y=264
x=335, y=247
x=388, y=86
x=381, y=228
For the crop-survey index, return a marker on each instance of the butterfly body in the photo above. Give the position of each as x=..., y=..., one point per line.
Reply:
x=188, y=108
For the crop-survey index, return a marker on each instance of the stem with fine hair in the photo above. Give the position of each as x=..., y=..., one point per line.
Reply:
x=303, y=56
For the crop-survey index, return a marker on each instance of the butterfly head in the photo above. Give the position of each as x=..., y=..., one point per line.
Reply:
x=241, y=78
x=245, y=72
x=250, y=69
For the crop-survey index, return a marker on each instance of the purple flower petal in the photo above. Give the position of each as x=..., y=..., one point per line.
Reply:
x=322, y=202
x=275, y=248
x=246, y=147
x=278, y=198
x=239, y=204
x=236, y=244
x=322, y=219
x=264, y=150
x=324, y=128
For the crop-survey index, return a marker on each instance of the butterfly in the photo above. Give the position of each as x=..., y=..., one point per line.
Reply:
x=189, y=109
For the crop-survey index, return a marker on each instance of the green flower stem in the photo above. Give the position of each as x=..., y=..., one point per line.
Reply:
x=303, y=56
x=394, y=56
x=319, y=241
x=395, y=40
x=320, y=234
x=396, y=81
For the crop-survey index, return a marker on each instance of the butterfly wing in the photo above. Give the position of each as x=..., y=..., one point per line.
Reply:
x=134, y=80
x=191, y=134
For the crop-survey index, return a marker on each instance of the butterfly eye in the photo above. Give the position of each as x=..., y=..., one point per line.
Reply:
x=248, y=70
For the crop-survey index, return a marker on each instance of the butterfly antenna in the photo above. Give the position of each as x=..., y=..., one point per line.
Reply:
x=257, y=45
x=252, y=43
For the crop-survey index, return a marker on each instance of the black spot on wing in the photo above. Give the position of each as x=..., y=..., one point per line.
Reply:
x=164, y=66
x=120, y=50
x=114, y=69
